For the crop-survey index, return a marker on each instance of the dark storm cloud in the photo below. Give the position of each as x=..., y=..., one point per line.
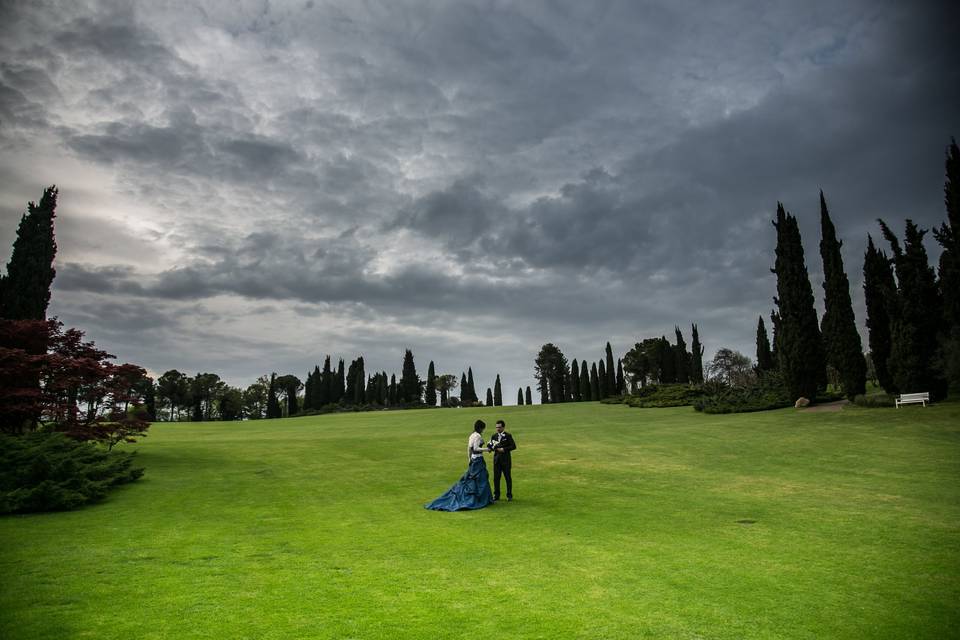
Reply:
x=185, y=148
x=517, y=171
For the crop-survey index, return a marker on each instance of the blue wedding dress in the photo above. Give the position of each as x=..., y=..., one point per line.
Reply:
x=472, y=490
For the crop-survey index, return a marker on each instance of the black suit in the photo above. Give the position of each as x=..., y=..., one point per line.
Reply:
x=502, y=462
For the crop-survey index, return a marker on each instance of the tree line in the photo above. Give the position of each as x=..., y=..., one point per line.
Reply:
x=912, y=310
x=325, y=389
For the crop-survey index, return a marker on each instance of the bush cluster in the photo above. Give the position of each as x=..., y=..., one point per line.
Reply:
x=665, y=395
x=768, y=392
x=44, y=471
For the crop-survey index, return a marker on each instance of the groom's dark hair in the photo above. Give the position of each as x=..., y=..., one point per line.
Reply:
x=479, y=426
x=503, y=423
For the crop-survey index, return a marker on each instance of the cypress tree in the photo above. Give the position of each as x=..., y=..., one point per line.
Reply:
x=519, y=397
x=681, y=358
x=696, y=358
x=273, y=405
x=393, y=393
x=575, y=381
x=529, y=396
x=948, y=235
x=473, y=390
x=915, y=317
x=410, y=385
x=844, y=350
x=611, y=372
x=325, y=388
x=25, y=290
x=430, y=395
x=464, y=391
x=350, y=391
x=801, y=347
x=584, y=382
x=775, y=342
x=594, y=382
x=764, y=355
x=489, y=402
x=310, y=388
x=314, y=393
x=621, y=384
x=359, y=389
x=497, y=393
x=879, y=291
x=602, y=380
x=338, y=388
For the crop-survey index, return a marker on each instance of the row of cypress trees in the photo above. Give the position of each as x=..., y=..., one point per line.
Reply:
x=913, y=312
x=329, y=386
x=912, y=315
x=559, y=381
x=656, y=360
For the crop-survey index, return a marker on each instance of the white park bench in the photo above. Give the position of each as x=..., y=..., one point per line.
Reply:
x=913, y=398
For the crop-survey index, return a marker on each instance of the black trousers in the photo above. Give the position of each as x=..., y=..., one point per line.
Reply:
x=501, y=466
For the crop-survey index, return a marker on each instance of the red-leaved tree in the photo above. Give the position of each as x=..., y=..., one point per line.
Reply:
x=70, y=386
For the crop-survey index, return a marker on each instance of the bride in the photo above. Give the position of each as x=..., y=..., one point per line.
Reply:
x=472, y=490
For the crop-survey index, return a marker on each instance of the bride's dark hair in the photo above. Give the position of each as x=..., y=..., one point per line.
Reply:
x=479, y=426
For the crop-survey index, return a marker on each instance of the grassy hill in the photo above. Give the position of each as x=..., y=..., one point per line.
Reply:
x=627, y=523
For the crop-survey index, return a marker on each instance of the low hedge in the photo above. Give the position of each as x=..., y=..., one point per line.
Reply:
x=45, y=471
x=659, y=396
x=767, y=393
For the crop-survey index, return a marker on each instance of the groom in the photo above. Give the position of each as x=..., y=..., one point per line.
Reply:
x=502, y=444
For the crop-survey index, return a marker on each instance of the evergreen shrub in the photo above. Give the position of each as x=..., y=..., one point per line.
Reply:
x=768, y=392
x=43, y=471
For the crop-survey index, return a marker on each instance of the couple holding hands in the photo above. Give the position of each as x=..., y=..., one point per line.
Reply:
x=472, y=490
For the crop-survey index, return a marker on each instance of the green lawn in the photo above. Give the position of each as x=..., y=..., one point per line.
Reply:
x=627, y=523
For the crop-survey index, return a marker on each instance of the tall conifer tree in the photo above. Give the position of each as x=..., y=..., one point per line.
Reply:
x=948, y=235
x=519, y=397
x=575, y=381
x=430, y=395
x=611, y=372
x=602, y=380
x=489, y=402
x=621, y=383
x=594, y=382
x=25, y=290
x=775, y=341
x=844, y=350
x=497, y=393
x=915, y=317
x=764, y=355
x=473, y=389
x=464, y=390
x=879, y=291
x=359, y=389
x=696, y=358
x=529, y=396
x=273, y=405
x=681, y=358
x=325, y=388
x=410, y=386
x=801, y=346
x=338, y=389
x=584, y=382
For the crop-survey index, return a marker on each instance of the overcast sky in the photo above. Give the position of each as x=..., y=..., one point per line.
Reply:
x=248, y=186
